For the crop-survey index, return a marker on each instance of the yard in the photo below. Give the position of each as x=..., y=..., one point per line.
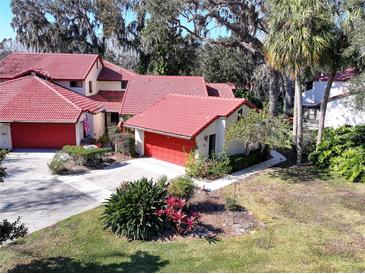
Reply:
x=313, y=223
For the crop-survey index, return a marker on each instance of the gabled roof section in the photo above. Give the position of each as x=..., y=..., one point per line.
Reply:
x=145, y=90
x=58, y=66
x=32, y=99
x=111, y=100
x=111, y=72
x=183, y=115
x=344, y=75
x=224, y=90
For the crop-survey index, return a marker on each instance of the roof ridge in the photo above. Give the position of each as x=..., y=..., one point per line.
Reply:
x=47, y=84
x=15, y=79
x=6, y=56
x=176, y=76
x=206, y=97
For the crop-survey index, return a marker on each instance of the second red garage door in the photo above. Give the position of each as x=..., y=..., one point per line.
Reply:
x=170, y=149
x=37, y=135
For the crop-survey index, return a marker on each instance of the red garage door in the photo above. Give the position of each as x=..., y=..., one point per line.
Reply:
x=170, y=149
x=36, y=135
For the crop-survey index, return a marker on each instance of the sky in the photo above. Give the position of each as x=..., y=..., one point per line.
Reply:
x=6, y=31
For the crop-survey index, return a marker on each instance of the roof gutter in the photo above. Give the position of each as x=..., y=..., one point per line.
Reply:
x=161, y=132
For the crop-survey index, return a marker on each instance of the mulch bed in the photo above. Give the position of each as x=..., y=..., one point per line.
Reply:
x=215, y=221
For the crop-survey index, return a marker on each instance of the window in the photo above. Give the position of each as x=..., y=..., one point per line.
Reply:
x=124, y=84
x=76, y=84
x=239, y=115
x=90, y=87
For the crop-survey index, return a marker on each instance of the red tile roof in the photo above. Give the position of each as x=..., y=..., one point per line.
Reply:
x=344, y=75
x=111, y=72
x=58, y=66
x=110, y=99
x=221, y=89
x=146, y=90
x=183, y=115
x=32, y=99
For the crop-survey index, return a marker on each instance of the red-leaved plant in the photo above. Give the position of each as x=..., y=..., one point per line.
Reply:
x=175, y=212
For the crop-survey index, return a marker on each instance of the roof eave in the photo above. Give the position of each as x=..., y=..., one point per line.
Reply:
x=181, y=136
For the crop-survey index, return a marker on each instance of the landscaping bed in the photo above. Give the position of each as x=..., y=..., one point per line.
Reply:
x=314, y=222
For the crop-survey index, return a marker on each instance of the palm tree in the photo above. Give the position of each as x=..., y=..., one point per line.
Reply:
x=300, y=32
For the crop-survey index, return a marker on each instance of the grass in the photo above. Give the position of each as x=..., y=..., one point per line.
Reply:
x=313, y=223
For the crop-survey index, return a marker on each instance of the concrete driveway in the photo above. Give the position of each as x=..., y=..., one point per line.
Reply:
x=43, y=199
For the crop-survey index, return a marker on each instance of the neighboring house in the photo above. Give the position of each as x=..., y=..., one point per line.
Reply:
x=339, y=110
x=176, y=124
x=50, y=100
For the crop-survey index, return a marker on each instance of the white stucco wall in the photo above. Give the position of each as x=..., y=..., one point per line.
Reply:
x=340, y=113
x=110, y=85
x=5, y=136
x=99, y=124
x=139, y=141
x=218, y=127
x=79, y=132
x=92, y=76
x=315, y=95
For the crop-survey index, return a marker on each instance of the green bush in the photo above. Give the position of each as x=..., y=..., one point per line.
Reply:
x=103, y=140
x=241, y=161
x=131, y=210
x=334, y=142
x=342, y=151
x=11, y=231
x=126, y=144
x=212, y=168
x=86, y=156
x=350, y=164
x=57, y=164
x=231, y=204
x=181, y=187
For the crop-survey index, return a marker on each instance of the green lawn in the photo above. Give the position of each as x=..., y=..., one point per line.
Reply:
x=313, y=223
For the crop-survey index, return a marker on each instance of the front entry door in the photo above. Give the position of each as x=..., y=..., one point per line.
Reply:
x=4, y=137
x=211, y=144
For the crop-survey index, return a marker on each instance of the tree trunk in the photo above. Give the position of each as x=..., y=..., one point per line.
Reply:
x=274, y=93
x=299, y=118
x=322, y=115
x=289, y=96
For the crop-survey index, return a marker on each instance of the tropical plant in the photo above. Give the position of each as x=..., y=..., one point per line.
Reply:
x=12, y=230
x=131, y=210
x=210, y=168
x=259, y=129
x=58, y=163
x=300, y=32
x=350, y=164
x=175, y=213
x=182, y=187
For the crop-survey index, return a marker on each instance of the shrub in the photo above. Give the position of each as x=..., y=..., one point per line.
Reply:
x=11, y=231
x=231, y=204
x=175, y=213
x=126, y=144
x=88, y=140
x=215, y=167
x=181, y=187
x=86, y=156
x=57, y=164
x=334, y=142
x=350, y=164
x=103, y=140
x=3, y=153
x=342, y=151
x=241, y=161
x=131, y=210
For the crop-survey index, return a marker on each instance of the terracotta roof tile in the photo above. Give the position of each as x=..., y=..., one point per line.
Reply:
x=32, y=99
x=221, y=90
x=59, y=66
x=184, y=115
x=145, y=90
x=110, y=99
x=111, y=72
